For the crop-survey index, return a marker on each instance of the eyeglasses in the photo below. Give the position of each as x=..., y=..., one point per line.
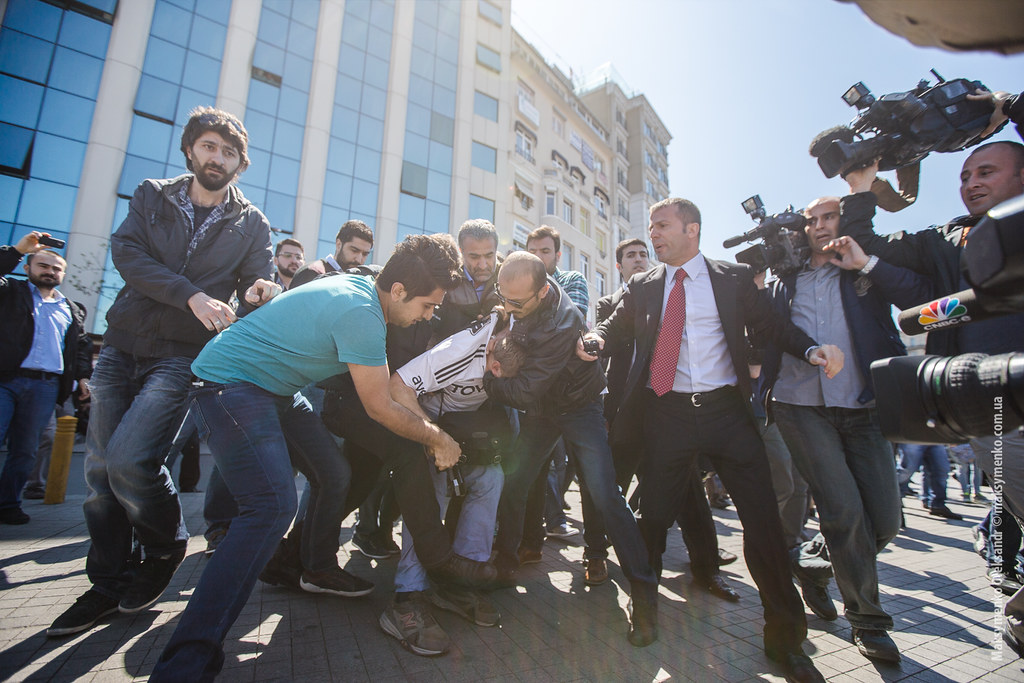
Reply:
x=512, y=302
x=211, y=119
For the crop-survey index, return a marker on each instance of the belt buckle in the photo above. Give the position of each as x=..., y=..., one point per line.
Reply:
x=695, y=399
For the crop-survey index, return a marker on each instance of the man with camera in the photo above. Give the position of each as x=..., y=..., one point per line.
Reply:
x=44, y=349
x=830, y=427
x=992, y=173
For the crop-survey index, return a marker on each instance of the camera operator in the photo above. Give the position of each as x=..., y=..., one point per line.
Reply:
x=830, y=426
x=991, y=174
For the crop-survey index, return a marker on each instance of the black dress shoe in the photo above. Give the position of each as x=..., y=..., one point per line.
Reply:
x=943, y=511
x=797, y=665
x=1007, y=583
x=875, y=644
x=725, y=557
x=643, y=622
x=817, y=599
x=719, y=587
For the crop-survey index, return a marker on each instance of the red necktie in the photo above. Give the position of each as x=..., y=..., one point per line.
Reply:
x=670, y=338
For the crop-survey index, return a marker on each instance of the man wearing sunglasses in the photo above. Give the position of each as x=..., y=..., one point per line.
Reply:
x=560, y=395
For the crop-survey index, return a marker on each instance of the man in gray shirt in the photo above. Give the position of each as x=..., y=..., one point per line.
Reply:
x=842, y=297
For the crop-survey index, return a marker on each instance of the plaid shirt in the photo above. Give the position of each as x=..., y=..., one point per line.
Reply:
x=572, y=282
x=215, y=215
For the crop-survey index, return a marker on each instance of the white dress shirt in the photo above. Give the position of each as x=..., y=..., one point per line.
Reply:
x=704, y=360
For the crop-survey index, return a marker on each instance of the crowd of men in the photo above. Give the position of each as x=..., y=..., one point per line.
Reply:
x=453, y=377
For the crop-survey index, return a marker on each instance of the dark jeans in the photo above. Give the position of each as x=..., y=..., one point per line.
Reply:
x=249, y=432
x=25, y=406
x=584, y=433
x=936, y=471
x=137, y=406
x=676, y=434
x=378, y=448
x=850, y=470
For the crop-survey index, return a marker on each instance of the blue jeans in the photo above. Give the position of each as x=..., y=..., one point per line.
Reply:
x=850, y=470
x=137, y=406
x=474, y=534
x=253, y=436
x=936, y=471
x=25, y=406
x=219, y=506
x=584, y=433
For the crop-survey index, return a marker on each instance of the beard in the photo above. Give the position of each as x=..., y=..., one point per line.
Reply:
x=44, y=281
x=288, y=271
x=213, y=183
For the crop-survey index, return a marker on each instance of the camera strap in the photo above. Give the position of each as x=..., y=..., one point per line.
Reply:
x=908, y=180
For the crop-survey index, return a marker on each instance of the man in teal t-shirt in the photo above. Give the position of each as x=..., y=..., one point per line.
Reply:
x=256, y=425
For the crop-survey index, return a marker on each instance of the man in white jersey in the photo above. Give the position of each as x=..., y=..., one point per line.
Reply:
x=446, y=383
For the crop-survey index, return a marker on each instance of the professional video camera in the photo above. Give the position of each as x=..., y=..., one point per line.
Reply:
x=904, y=127
x=935, y=399
x=783, y=245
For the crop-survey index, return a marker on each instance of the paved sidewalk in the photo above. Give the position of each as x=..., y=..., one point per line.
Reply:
x=554, y=628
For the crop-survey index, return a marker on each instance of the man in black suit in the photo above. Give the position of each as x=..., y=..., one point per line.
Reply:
x=695, y=520
x=687, y=393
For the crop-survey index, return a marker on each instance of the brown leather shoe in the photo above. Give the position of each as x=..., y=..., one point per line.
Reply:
x=527, y=556
x=596, y=572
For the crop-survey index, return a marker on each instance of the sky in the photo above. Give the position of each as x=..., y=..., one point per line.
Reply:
x=744, y=85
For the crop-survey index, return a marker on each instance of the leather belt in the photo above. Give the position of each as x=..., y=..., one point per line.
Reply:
x=38, y=374
x=700, y=399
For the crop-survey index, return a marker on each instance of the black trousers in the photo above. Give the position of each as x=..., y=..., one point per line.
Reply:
x=694, y=516
x=676, y=434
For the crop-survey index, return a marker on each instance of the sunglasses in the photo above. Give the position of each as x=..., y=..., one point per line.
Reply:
x=512, y=302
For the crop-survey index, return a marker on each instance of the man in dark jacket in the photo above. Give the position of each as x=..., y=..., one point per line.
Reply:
x=43, y=350
x=187, y=244
x=352, y=247
x=560, y=395
x=831, y=427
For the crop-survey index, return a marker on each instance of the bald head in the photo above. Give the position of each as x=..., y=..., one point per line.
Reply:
x=523, y=264
x=822, y=226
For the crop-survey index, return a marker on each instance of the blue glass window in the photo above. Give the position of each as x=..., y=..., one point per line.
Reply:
x=135, y=170
x=417, y=120
x=297, y=71
x=164, y=60
x=354, y=31
x=280, y=210
x=208, y=38
x=66, y=114
x=10, y=193
x=76, y=73
x=371, y=132
x=484, y=157
x=351, y=60
x=375, y=102
x=487, y=57
x=21, y=101
x=367, y=164
x=341, y=156
x=490, y=12
x=261, y=130
x=382, y=15
x=379, y=42
x=47, y=205
x=268, y=58
x=171, y=23
x=156, y=97
x=364, y=197
x=414, y=179
x=33, y=17
x=85, y=34
x=481, y=207
x=218, y=10
x=273, y=28
x=376, y=71
x=440, y=157
x=301, y=39
x=24, y=56
x=202, y=73
x=410, y=209
x=288, y=140
x=149, y=138
x=439, y=186
x=417, y=149
x=263, y=97
x=293, y=106
x=485, y=106
x=337, y=189
x=436, y=218
x=57, y=159
x=15, y=143
x=442, y=128
x=284, y=175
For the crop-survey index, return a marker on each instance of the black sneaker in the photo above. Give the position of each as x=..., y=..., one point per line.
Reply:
x=462, y=571
x=335, y=581
x=943, y=511
x=284, y=568
x=14, y=516
x=34, y=493
x=150, y=582
x=369, y=547
x=87, y=610
x=213, y=539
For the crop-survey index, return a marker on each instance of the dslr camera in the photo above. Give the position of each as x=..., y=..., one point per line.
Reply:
x=783, y=246
x=900, y=129
x=950, y=399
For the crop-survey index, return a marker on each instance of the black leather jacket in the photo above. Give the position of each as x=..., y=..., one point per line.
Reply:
x=553, y=380
x=150, y=316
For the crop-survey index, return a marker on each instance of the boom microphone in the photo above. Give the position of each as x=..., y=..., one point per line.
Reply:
x=948, y=311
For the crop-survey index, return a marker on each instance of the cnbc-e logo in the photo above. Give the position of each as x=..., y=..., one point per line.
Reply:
x=937, y=312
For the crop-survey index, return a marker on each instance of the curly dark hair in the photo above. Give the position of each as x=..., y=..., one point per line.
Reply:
x=203, y=119
x=422, y=263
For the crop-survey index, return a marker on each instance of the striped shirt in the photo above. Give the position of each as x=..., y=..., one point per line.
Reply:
x=573, y=283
